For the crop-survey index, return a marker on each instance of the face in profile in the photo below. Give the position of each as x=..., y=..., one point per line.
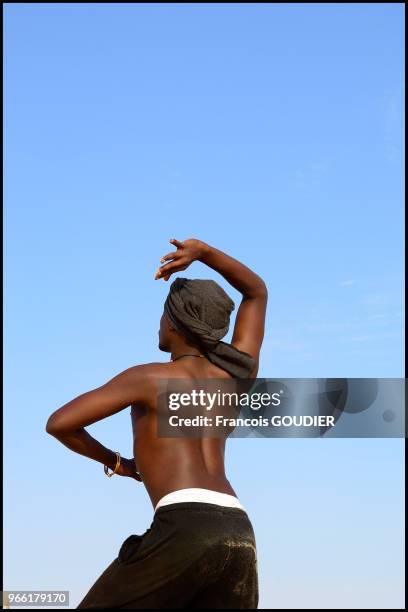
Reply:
x=165, y=334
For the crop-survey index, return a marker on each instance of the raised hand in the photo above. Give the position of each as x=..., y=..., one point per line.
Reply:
x=187, y=252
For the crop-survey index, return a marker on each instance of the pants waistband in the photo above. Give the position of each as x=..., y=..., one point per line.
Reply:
x=201, y=507
x=199, y=495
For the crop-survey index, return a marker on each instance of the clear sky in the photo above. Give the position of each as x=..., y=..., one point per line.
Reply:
x=273, y=132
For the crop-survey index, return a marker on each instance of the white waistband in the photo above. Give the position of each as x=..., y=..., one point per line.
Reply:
x=205, y=496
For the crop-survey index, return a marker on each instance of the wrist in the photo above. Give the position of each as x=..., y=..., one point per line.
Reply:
x=204, y=250
x=114, y=469
x=111, y=463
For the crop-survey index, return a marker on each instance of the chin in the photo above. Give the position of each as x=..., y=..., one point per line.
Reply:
x=164, y=348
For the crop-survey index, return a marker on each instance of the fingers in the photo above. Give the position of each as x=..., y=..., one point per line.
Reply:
x=169, y=256
x=173, y=266
x=176, y=243
x=166, y=271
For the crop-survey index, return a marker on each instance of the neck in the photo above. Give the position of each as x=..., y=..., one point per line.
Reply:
x=187, y=353
x=184, y=348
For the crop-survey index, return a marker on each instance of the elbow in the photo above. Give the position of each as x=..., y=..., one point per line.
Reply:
x=50, y=427
x=59, y=427
x=260, y=291
x=53, y=428
x=264, y=290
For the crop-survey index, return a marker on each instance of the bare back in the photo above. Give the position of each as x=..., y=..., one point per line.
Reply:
x=168, y=464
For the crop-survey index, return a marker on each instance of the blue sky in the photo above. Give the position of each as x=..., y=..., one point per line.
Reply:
x=273, y=132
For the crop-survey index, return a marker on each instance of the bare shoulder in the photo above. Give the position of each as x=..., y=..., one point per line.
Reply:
x=145, y=372
x=146, y=376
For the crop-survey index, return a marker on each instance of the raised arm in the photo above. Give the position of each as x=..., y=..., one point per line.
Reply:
x=67, y=424
x=250, y=321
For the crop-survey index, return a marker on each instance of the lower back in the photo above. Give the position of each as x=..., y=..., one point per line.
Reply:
x=170, y=464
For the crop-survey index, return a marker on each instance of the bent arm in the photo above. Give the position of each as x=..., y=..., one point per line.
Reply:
x=250, y=321
x=68, y=422
x=236, y=273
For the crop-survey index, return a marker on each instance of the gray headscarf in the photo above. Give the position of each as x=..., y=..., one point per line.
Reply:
x=201, y=310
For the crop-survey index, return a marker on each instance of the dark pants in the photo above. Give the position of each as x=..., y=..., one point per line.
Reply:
x=194, y=555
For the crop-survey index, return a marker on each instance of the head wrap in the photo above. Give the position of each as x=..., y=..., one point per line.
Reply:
x=200, y=309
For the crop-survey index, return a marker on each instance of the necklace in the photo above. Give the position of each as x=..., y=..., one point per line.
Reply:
x=188, y=355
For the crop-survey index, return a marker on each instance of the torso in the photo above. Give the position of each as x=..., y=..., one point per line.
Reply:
x=169, y=464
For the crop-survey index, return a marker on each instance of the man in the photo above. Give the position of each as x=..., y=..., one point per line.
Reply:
x=200, y=549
